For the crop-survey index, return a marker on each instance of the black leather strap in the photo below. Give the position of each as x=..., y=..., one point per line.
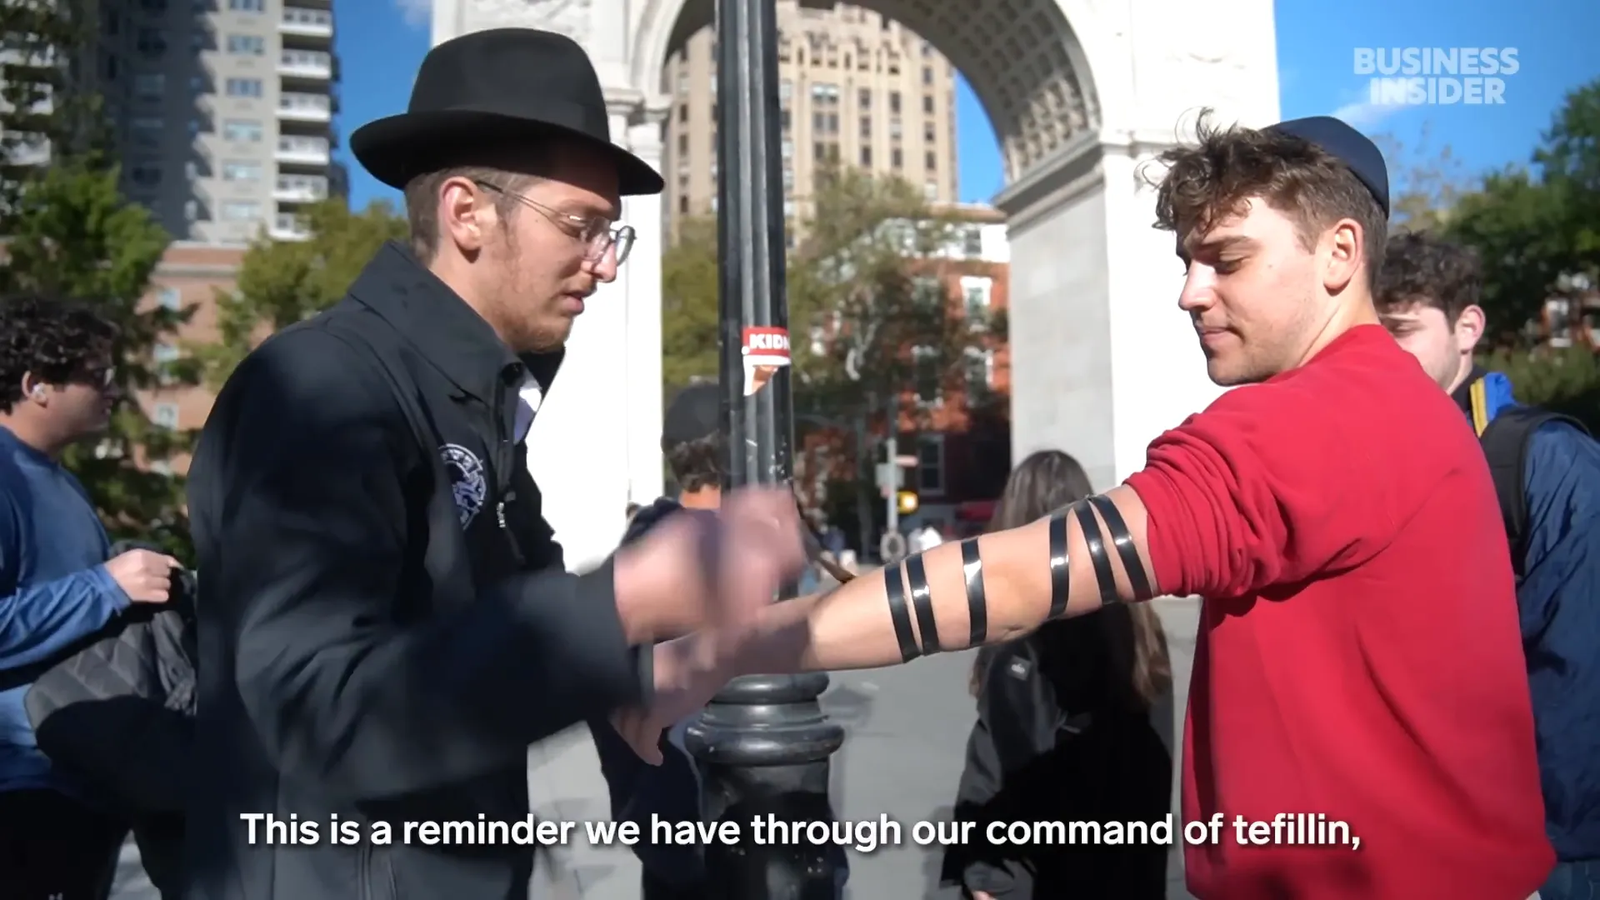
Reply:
x=922, y=602
x=895, y=587
x=1060, y=577
x=1104, y=577
x=1122, y=539
x=977, y=604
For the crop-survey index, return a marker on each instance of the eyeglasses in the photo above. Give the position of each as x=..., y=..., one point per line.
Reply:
x=98, y=377
x=597, y=233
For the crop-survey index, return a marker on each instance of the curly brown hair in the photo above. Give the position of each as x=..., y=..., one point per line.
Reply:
x=1226, y=167
x=1420, y=268
x=55, y=341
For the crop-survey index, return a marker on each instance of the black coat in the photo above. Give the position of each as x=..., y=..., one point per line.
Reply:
x=1058, y=739
x=385, y=622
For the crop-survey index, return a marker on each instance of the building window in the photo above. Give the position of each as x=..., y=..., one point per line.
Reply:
x=930, y=161
x=927, y=104
x=925, y=374
x=897, y=159
x=975, y=294
x=169, y=298
x=151, y=42
x=241, y=210
x=247, y=44
x=146, y=131
x=864, y=99
x=241, y=171
x=930, y=465
x=979, y=365
x=247, y=5
x=241, y=130
x=145, y=176
x=866, y=157
x=894, y=102
x=930, y=191
x=927, y=73
x=244, y=87
x=973, y=241
x=165, y=415
x=150, y=86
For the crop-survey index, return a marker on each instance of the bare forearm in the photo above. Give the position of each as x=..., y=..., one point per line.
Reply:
x=981, y=591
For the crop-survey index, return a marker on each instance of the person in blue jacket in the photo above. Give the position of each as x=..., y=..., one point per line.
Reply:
x=57, y=587
x=1547, y=473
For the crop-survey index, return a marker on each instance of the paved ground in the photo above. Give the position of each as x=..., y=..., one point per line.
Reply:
x=906, y=730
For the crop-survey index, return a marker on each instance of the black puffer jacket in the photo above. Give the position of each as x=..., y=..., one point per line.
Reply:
x=119, y=714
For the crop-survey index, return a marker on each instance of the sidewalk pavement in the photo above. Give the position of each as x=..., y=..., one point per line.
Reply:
x=905, y=734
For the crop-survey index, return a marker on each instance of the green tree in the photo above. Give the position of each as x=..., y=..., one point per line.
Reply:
x=46, y=62
x=283, y=282
x=868, y=307
x=690, y=333
x=1537, y=228
x=73, y=235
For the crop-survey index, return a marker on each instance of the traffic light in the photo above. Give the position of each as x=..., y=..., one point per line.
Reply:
x=906, y=502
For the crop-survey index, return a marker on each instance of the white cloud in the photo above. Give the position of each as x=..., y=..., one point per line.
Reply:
x=1365, y=114
x=417, y=13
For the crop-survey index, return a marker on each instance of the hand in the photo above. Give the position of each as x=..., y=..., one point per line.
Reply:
x=144, y=575
x=666, y=585
x=688, y=673
x=981, y=895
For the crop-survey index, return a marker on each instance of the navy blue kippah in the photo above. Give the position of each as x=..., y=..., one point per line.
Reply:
x=1350, y=146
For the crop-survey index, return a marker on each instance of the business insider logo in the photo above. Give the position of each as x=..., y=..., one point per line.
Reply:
x=1436, y=76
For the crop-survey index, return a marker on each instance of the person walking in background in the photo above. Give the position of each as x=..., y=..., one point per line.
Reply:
x=1064, y=733
x=57, y=586
x=1547, y=478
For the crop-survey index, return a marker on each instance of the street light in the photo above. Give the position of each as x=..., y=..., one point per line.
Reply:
x=763, y=744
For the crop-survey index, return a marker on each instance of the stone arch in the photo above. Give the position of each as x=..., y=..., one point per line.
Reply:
x=1024, y=60
x=1080, y=92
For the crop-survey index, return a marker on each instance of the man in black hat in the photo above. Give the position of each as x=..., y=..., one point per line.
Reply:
x=385, y=623
x=1359, y=721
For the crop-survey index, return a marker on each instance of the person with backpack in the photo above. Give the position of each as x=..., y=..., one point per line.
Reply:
x=1546, y=471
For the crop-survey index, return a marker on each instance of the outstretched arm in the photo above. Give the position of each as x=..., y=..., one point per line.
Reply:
x=982, y=590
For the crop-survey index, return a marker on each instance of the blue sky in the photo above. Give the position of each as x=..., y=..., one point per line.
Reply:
x=381, y=43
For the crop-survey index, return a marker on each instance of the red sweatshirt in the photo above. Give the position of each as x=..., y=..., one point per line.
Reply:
x=1359, y=653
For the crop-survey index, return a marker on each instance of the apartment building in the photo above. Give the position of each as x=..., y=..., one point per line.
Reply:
x=856, y=88
x=223, y=112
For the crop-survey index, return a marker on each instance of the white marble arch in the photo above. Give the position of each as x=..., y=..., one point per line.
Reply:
x=1080, y=92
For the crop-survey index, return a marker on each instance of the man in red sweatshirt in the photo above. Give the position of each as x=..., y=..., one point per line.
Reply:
x=1358, y=659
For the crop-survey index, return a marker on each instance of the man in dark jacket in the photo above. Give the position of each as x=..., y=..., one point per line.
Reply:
x=385, y=623
x=1428, y=296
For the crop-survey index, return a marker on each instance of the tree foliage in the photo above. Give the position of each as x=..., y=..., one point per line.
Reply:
x=869, y=308
x=689, y=327
x=73, y=235
x=44, y=47
x=1537, y=228
x=283, y=282
x=1427, y=182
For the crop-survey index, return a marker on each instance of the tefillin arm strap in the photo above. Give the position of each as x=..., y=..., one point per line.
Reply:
x=915, y=579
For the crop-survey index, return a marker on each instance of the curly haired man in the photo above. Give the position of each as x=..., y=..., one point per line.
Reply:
x=57, y=387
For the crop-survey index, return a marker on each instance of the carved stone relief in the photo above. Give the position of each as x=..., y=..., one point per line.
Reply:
x=569, y=17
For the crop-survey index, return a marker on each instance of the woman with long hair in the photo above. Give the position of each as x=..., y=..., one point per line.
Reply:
x=1064, y=734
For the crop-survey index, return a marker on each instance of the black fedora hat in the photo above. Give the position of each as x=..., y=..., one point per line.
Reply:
x=492, y=89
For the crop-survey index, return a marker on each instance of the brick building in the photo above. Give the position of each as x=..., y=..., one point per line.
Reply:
x=190, y=274
x=957, y=426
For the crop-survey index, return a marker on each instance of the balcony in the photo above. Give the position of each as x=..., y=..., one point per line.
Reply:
x=311, y=23
x=288, y=227
x=314, y=64
x=294, y=106
x=300, y=188
x=302, y=151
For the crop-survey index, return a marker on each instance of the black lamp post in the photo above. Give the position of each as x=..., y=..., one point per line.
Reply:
x=763, y=744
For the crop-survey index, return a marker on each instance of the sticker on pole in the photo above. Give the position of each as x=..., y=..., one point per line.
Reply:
x=766, y=350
